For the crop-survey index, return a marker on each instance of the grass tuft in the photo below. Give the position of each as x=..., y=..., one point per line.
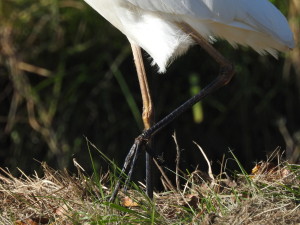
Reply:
x=269, y=195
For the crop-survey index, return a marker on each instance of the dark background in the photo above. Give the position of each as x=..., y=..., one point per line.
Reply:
x=67, y=74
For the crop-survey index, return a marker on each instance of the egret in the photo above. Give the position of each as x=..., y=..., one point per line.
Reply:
x=166, y=29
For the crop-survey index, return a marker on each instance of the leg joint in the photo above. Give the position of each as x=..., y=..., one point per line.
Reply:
x=147, y=115
x=226, y=73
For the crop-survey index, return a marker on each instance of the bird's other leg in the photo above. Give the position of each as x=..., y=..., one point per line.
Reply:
x=147, y=117
x=215, y=54
x=225, y=75
x=148, y=112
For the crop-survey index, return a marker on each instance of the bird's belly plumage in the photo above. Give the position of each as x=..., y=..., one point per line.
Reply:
x=159, y=37
x=158, y=34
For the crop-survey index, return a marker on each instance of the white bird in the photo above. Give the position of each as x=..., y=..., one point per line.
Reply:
x=166, y=29
x=152, y=24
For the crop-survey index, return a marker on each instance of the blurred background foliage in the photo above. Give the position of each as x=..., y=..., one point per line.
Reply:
x=66, y=73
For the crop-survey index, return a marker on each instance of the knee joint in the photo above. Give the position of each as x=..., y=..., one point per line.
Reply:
x=226, y=73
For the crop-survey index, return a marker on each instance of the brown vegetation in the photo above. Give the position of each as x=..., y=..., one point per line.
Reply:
x=271, y=195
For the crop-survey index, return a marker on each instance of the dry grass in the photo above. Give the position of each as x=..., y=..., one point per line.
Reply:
x=56, y=197
x=270, y=195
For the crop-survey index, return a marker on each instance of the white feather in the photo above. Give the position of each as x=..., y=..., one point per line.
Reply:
x=151, y=24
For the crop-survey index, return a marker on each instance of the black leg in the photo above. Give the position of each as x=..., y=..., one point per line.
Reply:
x=128, y=161
x=149, y=173
x=225, y=75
